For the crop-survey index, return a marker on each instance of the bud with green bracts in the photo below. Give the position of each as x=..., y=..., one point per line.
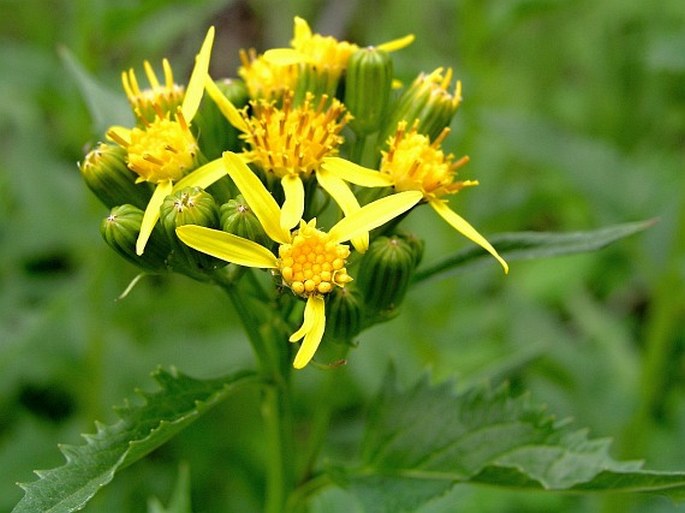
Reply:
x=212, y=130
x=105, y=172
x=120, y=230
x=385, y=273
x=191, y=205
x=344, y=313
x=316, y=81
x=237, y=218
x=367, y=88
x=428, y=101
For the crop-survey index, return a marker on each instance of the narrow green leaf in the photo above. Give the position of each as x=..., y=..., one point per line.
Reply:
x=180, y=401
x=106, y=107
x=533, y=245
x=422, y=441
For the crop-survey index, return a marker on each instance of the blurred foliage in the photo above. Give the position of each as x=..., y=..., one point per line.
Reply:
x=574, y=118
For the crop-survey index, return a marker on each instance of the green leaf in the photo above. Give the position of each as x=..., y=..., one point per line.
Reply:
x=141, y=429
x=422, y=441
x=533, y=245
x=180, y=500
x=106, y=107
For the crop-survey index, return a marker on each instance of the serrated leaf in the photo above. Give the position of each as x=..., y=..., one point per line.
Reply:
x=422, y=441
x=142, y=428
x=106, y=107
x=533, y=245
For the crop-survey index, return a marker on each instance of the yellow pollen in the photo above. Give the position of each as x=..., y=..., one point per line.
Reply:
x=163, y=150
x=293, y=140
x=311, y=263
x=414, y=163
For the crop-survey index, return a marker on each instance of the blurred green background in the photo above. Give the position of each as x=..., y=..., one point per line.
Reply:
x=574, y=118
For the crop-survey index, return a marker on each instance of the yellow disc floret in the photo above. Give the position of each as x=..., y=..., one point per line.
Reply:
x=263, y=78
x=312, y=263
x=167, y=96
x=324, y=52
x=163, y=150
x=294, y=140
x=416, y=164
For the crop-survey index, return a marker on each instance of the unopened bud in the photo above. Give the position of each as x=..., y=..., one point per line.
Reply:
x=105, y=172
x=237, y=218
x=385, y=273
x=344, y=313
x=427, y=100
x=120, y=230
x=367, y=88
x=191, y=205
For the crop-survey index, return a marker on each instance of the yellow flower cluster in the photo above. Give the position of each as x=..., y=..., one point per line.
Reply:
x=296, y=161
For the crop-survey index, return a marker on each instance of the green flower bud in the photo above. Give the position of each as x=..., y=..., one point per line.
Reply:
x=416, y=244
x=191, y=205
x=367, y=88
x=105, y=172
x=120, y=230
x=237, y=218
x=344, y=313
x=385, y=272
x=315, y=81
x=213, y=131
x=428, y=100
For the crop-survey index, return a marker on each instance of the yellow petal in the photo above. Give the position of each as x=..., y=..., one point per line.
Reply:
x=301, y=28
x=346, y=200
x=196, y=84
x=462, y=226
x=203, y=176
x=397, y=44
x=230, y=112
x=151, y=214
x=120, y=135
x=227, y=246
x=257, y=197
x=151, y=76
x=373, y=215
x=356, y=174
x=315, y=319
x=293, y=206
x=284, y=56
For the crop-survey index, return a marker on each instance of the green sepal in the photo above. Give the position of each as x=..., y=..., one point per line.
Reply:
x=120, y=230
x=385, y=273
x=344, y=313
x=367, y=88
x=105, y=172
x=190, y=205
x=237, y=218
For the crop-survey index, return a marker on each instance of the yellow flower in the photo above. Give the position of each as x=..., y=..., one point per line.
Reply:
x=166, y=96
x=323, y=52
x=310, y=262
x=414, y=163
x=291, y=143
x=265, y=79
x=164, y=151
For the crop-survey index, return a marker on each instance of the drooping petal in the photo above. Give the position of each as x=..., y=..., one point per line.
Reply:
x=151, y=214
x=203, y=176
x=230, y=112
x=257, y=197
x=346, y=200
x=356, y=174
x=315, y=322
x=284, y=56
x=373, y=215
x=196, y=84
x=462, y=226
x=227, y=246
x=396, y=44
x=293, y=206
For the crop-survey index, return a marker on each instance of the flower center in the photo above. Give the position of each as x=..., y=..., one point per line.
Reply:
x=416, y=164
x=312, y=263
x=294, y=140
x=264, y=79
x=162, y=150
x=145, y=102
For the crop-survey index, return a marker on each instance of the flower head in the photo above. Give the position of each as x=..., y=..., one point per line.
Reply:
x=166, y=96
x=263, y=78
x=311, y=262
